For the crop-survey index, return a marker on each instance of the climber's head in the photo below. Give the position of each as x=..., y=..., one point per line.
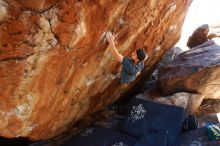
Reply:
x=138, y=55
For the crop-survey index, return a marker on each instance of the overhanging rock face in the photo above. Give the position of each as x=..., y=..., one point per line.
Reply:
x=55, y=66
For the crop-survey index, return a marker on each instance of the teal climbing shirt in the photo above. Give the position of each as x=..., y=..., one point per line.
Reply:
x=130, y=70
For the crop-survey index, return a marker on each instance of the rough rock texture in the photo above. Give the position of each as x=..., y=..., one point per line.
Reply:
x=202, y=34
x=199, y=36
x=194, y=71
x=170, y=55
x=208, y=112
x=190, y=102
x=55, y=66
x=38, y=5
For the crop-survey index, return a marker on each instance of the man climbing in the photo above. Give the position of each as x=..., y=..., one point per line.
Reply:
x=131, y=67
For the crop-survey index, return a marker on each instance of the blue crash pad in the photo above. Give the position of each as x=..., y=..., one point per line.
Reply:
x=149, y=120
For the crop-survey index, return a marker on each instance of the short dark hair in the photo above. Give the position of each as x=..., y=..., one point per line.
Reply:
x=141, y=54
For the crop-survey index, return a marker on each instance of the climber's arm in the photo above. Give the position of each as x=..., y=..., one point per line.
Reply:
x=113, y=49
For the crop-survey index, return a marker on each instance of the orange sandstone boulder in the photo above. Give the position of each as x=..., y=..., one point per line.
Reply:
x=38, y=5
x=55, y=66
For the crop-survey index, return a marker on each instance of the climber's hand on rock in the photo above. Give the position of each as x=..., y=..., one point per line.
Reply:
x=109, y=37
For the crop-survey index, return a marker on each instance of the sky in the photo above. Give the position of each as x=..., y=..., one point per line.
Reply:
x=200, y=12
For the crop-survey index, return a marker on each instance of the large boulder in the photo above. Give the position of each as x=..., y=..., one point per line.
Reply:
x=199, y=36
x=202, y=34
x=170, y=55
x=55, y=65
x=194, y=71
x=190, y=102
x=38, y=5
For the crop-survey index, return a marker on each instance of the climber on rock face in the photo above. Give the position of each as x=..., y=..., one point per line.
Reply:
x=131, y=67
